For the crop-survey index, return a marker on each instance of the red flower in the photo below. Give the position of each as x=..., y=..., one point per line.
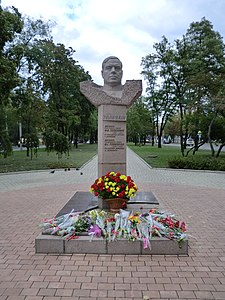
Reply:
x=128, y=178
x=110, y=219
x=171, y=235
x=130, y=185
x=121, y=194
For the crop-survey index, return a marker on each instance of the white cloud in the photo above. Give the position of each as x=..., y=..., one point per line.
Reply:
x=125, y=28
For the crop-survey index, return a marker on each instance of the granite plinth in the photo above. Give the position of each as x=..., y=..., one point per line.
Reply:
x=49, y=244
x=83, y=245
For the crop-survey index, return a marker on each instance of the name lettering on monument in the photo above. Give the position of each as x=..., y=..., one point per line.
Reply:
x=114, y=117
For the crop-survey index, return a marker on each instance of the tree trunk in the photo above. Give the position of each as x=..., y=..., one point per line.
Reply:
x=181, y=129
x=209, y=136
x=219, y=150
x=153, y=140
x=158, y=133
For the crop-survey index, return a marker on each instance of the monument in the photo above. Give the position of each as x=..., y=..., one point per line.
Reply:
x=112, y=100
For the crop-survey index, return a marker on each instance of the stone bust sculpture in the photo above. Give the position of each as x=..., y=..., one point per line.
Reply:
x=112, y=75
x=112, y=92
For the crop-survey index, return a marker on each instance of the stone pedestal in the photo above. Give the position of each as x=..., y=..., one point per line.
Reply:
x=111, y=139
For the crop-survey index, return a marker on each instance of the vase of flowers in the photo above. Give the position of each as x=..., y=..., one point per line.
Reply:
x=114, y=188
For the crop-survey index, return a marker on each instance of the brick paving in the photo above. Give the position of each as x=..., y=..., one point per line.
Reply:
x=196, y=197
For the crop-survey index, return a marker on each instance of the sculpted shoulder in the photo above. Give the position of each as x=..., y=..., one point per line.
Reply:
x=98, y=95
x=112, y=91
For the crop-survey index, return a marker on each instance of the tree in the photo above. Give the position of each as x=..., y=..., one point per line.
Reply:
x=31, y=111
x=165, y=83
x=68, y=109
x=10, y=24
x=172, y=127
x=26, y=97
x=138, y=121
x=206, y=64
x=56, y=141
x=194, y=69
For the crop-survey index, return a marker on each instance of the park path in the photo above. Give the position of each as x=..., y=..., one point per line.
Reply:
x=136, y=167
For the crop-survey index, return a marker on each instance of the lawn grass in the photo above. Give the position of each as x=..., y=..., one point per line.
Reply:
x=155, y=157
x=20, y=162
x=158, y=157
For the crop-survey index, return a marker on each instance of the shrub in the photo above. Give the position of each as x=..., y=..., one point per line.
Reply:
x=197, y=163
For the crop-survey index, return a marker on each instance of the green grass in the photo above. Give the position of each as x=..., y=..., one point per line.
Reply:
x=157, y=158
x=20, y=162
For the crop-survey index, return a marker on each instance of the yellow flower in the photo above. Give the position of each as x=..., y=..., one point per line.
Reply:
x=131, y=192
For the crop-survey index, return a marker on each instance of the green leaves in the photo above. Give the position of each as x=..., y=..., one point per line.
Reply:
x=188, y=75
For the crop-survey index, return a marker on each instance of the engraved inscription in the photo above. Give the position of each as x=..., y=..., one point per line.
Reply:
x=114, y=138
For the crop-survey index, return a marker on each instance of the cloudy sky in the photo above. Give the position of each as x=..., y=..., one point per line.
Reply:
x=124, y=28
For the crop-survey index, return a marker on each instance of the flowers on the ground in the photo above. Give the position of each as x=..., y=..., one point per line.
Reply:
x=114, y=185
x=126, y=224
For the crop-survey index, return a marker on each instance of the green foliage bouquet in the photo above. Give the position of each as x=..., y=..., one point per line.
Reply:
x=114, y=185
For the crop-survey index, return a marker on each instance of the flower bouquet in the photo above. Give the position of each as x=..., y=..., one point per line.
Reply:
x=126, y=224
x=114, y=187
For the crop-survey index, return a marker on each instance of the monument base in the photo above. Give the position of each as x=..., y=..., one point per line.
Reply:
x=82, y=245
x=83, y=201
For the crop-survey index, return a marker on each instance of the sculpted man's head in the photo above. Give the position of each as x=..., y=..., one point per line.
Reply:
x=112, y=72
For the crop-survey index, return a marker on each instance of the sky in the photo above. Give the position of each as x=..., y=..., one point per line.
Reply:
x=127, y=29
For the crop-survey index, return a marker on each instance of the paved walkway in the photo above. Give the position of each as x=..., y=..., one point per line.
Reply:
x=196, y=197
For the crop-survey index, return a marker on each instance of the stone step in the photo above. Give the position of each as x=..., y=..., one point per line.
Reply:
x=83, y=245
